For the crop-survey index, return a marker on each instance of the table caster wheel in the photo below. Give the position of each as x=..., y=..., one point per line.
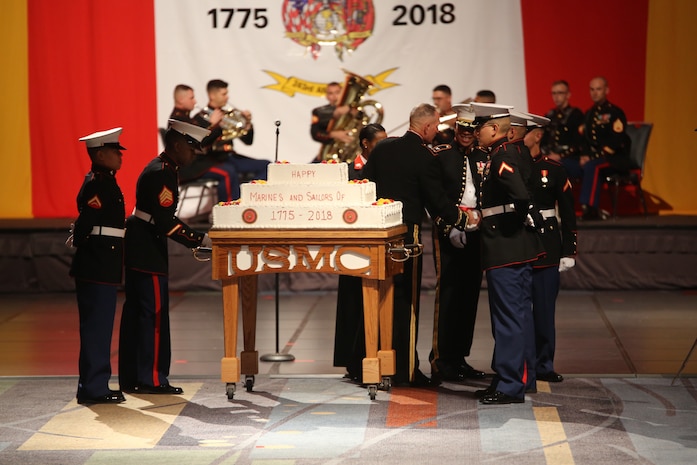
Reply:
x=386, y=383
x=230, y=390
x=249, y=382
x=372, y=391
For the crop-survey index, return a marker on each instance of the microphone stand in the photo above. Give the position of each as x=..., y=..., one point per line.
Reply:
x=278, y=356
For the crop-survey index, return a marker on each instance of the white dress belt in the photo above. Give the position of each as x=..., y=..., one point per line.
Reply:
x=140, y=214
x=549, y=213
x=497, y=210
x=107, y=231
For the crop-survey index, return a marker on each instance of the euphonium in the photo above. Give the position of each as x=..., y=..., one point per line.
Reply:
x=233, y=124
x=352, y=122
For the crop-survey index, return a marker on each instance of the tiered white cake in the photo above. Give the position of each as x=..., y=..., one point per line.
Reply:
x=309, y=196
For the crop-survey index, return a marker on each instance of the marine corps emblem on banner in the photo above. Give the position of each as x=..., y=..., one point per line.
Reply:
x=343, y=24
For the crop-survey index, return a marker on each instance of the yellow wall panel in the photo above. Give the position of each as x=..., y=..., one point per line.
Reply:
x=15, y=151
x=671, y=104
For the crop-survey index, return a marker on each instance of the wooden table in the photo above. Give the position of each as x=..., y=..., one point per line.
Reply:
x=239, y=256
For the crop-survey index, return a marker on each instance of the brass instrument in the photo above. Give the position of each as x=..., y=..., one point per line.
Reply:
x=233, y=124
x=352, y=122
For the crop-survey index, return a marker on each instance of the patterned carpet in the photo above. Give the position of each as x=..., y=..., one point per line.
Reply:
x=308, y=421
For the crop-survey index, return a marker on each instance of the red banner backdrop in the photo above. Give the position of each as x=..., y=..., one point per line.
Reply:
x=91, y=67
x=577, y=41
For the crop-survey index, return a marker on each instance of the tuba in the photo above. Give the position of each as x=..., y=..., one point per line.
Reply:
x=361, y=113
x=233, y=124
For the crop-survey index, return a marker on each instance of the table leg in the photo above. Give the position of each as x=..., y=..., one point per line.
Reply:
x=387, y=355
x=371, y=363
x=230, y=367
x=249, y=356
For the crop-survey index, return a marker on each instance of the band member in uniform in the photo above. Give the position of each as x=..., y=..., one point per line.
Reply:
x=606, y=146
x=98, y=265
x=457, y=262
x=205, y=165
x=144, y=340
x=322, y=116
x=509, y=246
x=443, y=101
x=349, y=337
x=405, y=169
x=551, y=191
x=229, y=165
x=185, y=103
x=562, y=138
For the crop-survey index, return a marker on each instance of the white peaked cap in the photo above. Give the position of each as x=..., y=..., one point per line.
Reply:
x=538, y=121
x=186, y=129
x=485, y=111
x=110, y=137
x=520, y=119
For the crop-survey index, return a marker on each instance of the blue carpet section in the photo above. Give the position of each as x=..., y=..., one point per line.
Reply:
x=332, y=421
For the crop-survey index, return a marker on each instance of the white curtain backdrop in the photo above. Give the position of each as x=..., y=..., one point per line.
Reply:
x=412, y=47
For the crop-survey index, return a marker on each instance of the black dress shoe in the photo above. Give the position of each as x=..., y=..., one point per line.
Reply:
x=114, y=397
x=531, y=390
x=162, y=389
x=589, y=213
x=499, y=398
x=467, y=371
x=445, y=371
x=551, y=377
x=420, y=381
x=479, y=393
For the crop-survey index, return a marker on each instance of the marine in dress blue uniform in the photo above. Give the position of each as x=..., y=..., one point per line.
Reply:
x=562, y=139
x=457, y=262
x=98, y=265
x=552, y=191
x=516, y=135
x=606, y=146
x=404, y=168
x=508, y=249
x=144, y=339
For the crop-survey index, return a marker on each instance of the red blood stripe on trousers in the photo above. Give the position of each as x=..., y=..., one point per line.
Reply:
x=158, y=321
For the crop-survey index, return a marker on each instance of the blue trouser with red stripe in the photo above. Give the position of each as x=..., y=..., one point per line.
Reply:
x=510, y=303
x=593, y=176
x=545, y=289
x=145, y=351
x=228, y=180
x=96, y=305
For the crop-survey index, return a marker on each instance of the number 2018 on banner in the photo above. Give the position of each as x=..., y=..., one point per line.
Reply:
x=416, y=15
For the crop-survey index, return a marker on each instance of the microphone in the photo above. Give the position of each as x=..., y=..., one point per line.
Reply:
x=278, y=125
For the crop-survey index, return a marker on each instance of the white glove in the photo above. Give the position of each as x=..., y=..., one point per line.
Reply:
x=474, y=220
x=566, y=263
x=458, y=238
x=206, y=242
x=69, y=240
x=529, y=221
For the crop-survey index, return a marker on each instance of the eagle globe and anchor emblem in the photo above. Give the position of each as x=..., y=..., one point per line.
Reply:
x=345, y=24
